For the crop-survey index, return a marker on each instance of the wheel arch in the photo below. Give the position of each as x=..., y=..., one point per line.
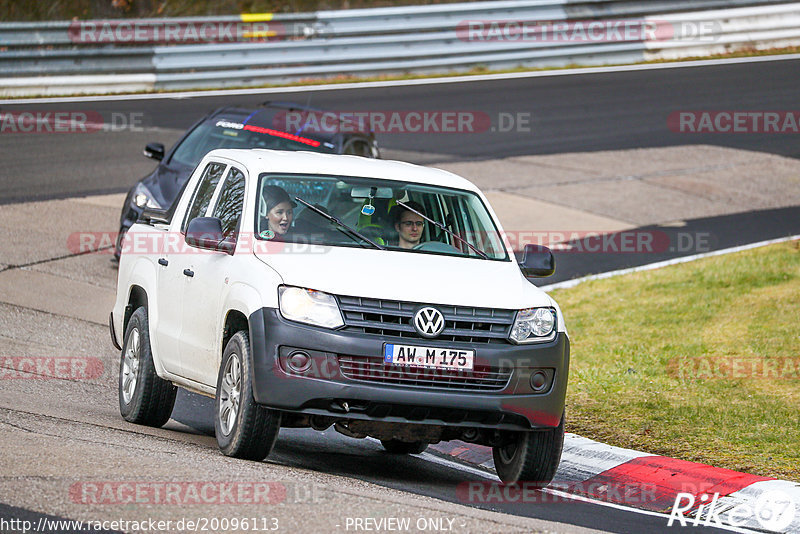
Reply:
x=235, y=321
x=137, y=297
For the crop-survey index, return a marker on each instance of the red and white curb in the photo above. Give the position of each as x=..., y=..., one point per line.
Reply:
x=692, y=494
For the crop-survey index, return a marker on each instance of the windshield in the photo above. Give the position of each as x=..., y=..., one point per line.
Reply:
x=363, y=212
x=224, y=133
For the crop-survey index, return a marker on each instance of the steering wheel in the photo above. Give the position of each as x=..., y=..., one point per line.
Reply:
x=436, y=246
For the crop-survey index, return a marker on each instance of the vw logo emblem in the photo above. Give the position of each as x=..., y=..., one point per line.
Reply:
x=428, y=322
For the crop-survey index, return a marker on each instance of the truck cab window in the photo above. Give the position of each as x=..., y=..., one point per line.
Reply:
x=230, y=202
x=204, y=192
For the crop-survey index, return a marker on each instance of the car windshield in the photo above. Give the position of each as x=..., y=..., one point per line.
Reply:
x=225, y=133
x=363, y=212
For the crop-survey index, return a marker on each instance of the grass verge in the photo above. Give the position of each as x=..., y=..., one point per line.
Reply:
x=699, y=361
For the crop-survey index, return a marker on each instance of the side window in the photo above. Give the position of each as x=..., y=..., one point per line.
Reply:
x=230, y=202
x=203, y=193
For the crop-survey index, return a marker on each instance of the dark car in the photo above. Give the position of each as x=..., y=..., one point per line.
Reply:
x=274, y=125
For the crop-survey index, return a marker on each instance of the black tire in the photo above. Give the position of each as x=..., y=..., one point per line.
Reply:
x=249, y=432
x=533, y=458
x=144, y=397
x=396, y=446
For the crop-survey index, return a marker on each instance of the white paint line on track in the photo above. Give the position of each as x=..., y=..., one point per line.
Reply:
x=406, y=83
x=652, y=266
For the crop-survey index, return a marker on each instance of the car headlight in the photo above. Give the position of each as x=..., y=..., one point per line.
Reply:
x=143, y=198
x=534, y=325
x=310, y=307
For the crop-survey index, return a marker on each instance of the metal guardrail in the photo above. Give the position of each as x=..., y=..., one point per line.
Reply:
x=56, y=58
x=65, y=33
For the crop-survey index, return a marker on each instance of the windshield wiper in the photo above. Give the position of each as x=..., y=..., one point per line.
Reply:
x=440, y=226
x=341, y=224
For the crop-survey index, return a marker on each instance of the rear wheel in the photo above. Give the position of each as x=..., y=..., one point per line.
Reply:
x=532, y=457
x=395, y=446
x=244, y=429
x=144, y=398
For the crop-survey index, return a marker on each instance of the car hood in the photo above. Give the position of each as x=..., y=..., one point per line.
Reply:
x=407, y=276
x=165, y=183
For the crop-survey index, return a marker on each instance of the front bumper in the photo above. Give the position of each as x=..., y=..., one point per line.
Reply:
x=324, y=390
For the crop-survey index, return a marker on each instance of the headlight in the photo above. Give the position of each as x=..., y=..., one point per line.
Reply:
x=534, y=324
x=142, y=197
x=310, y=307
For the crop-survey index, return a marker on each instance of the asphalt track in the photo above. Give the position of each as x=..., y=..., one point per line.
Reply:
x=569, y=114
x=610, y=111
x=330, y=452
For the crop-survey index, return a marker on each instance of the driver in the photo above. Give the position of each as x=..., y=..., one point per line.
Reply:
x=409, y=225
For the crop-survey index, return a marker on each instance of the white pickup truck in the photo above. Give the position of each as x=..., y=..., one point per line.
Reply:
x=377, y=297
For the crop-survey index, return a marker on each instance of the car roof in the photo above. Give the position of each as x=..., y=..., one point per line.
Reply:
x=259, y=160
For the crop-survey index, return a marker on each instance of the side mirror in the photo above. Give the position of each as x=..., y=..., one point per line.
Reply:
x=154, y=151
x=206, y=233
x=537, y=261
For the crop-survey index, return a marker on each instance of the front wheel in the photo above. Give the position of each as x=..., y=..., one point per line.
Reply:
x=244, y=429
x=395, y=446
x=144, y=397
x=532, y=456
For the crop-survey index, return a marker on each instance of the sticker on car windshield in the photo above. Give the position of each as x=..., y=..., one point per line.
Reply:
x=267, y=234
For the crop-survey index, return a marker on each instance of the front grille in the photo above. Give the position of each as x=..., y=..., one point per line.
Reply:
x=463, y=324
x=370, y=369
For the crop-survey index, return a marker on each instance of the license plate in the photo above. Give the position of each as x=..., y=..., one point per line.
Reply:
x=430, y=357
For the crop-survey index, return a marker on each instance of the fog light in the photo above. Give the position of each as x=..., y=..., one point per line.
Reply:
x=299, y=362
x=538, y=381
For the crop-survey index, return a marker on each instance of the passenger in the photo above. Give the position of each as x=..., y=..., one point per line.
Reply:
x=280, y=212
x=409, y=225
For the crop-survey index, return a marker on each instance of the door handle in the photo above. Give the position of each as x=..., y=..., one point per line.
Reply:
x=188, y=272
x=163, y=261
